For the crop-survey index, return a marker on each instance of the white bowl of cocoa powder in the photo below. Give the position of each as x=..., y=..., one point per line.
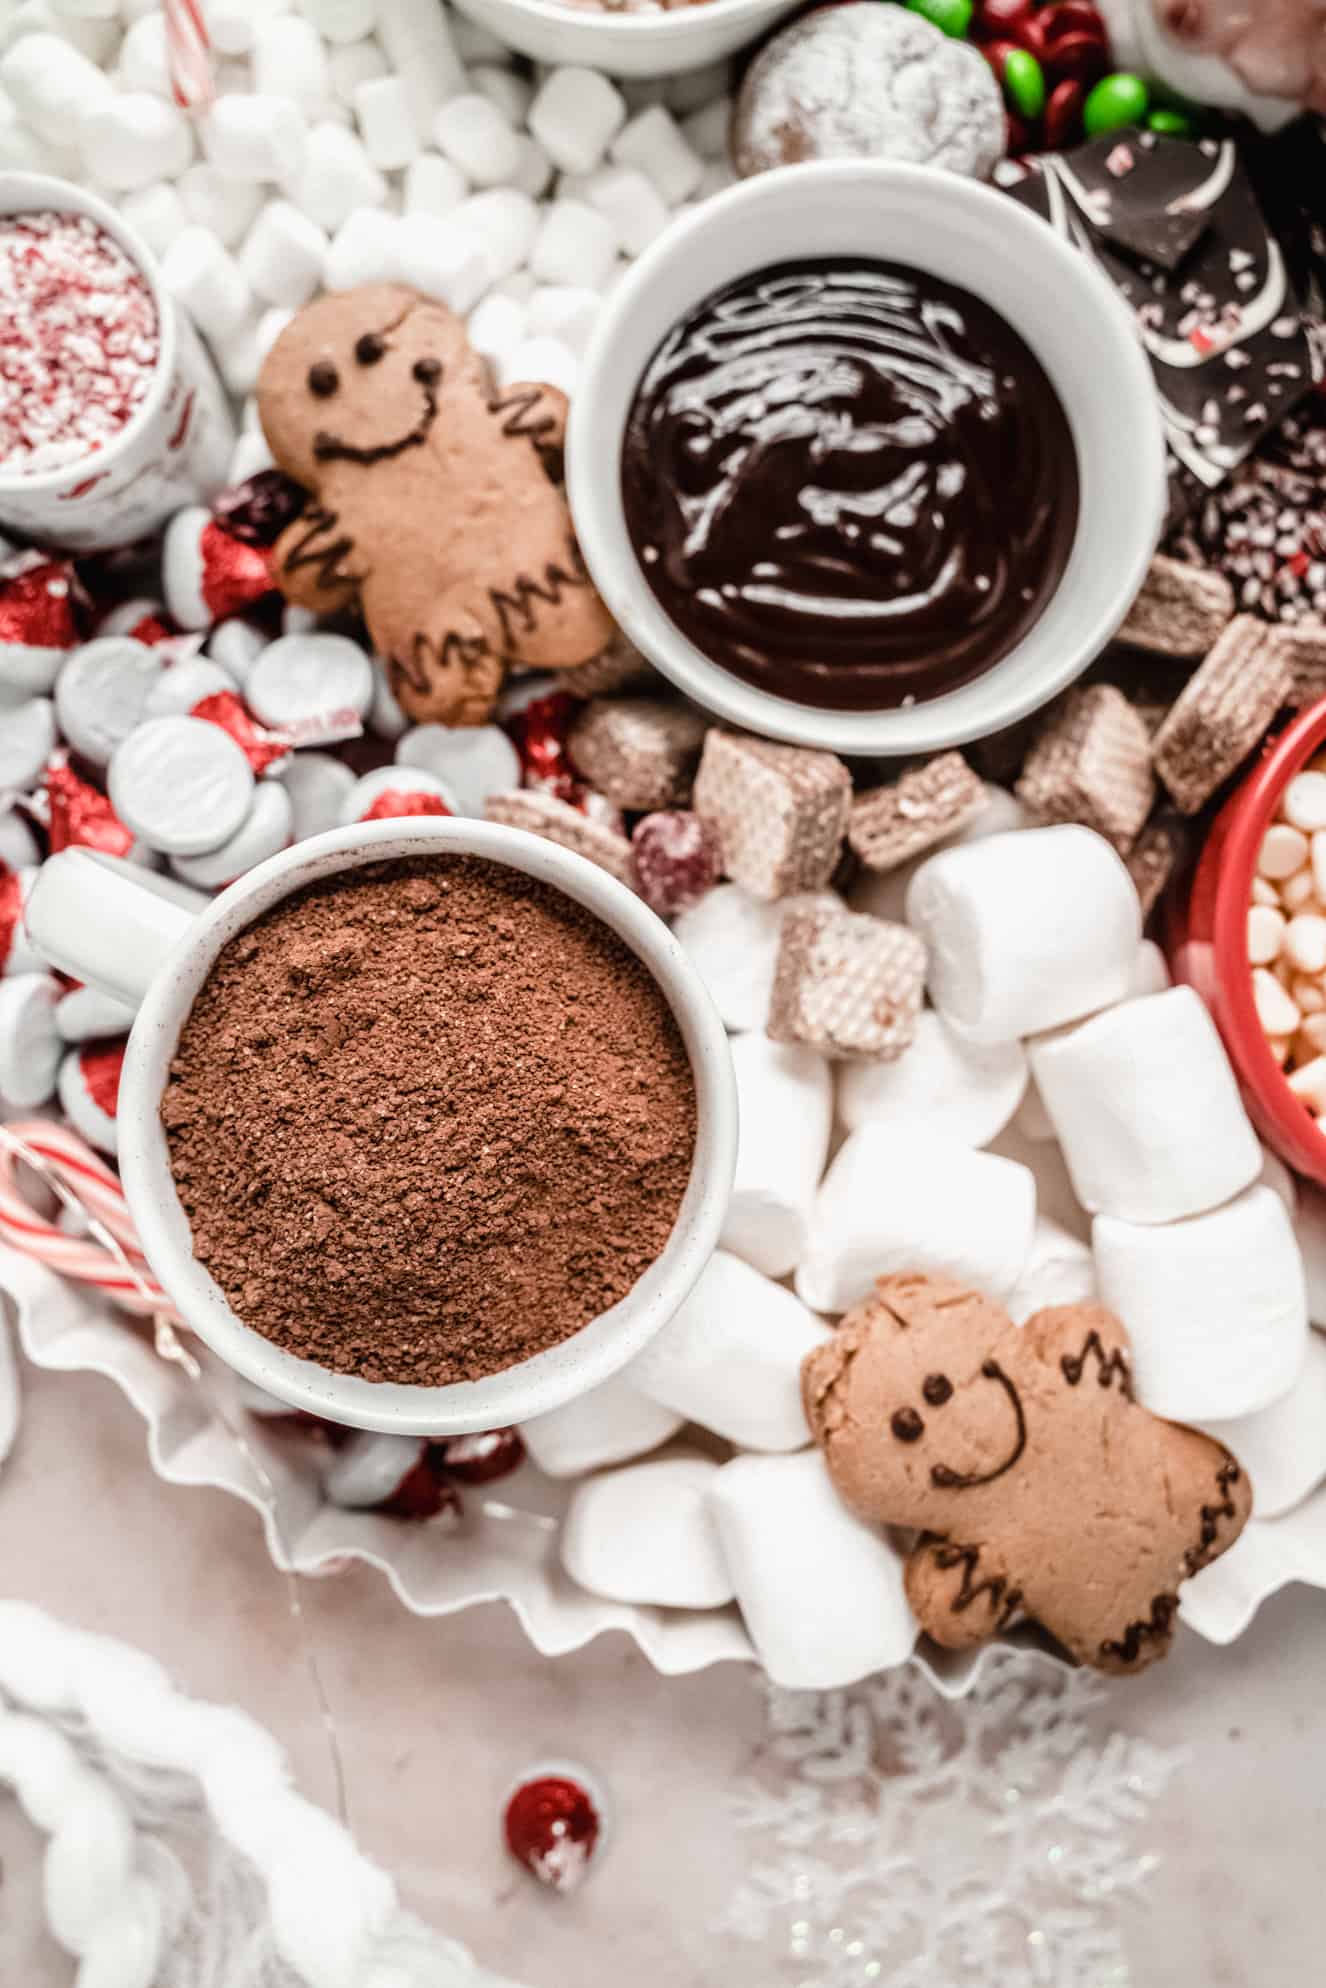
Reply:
x=429, y=1128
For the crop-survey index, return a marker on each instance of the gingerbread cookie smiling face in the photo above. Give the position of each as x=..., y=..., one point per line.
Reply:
x=1040, y=1486
x=436, y=505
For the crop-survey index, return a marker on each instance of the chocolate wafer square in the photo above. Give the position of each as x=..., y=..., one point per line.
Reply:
x=1154, y=857
x=890, y=824
x=846, y=983
x=1222, y=711
x=1092, y=764
x=641, y=752
x=620, y=667
x=544, y=814
x=1181, y=609
x=779, y=812
x=1304, y=645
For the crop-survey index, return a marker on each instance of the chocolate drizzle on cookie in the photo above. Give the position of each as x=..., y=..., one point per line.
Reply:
x=517, y=611
x=1004, y=1600
x=1110, y=1362
x=330, y=448
x=1229, y=1473
x=521, y=408
x=1157, y=1628
x=946, y=1479
x=313, y=549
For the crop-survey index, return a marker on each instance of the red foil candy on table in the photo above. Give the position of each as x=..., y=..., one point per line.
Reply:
x=399, y=801
x=81, y=816
x=538, y=732
x=483, y=1457
x=101, y=1064
x=552, y=1827
x=425, y=1490
x=37, y=601
x=11, y=911
x=259, y=746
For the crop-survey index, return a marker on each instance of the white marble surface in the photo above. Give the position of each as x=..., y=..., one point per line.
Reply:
x=435, y=1718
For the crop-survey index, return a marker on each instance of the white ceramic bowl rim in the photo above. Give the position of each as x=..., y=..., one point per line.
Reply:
x=677, y=22
x=971, y=235
x=26, y=193
x=534, y=1386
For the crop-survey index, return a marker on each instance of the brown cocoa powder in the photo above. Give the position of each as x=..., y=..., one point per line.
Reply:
x=427, y=1119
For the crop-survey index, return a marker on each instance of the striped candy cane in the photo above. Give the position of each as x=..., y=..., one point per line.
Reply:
x=109, y=1257
x=189, y=53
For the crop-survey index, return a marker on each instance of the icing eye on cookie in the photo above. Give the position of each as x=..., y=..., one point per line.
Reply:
x=370, y=348
x=323, y=379
x=907, y=1425
x=428, y=371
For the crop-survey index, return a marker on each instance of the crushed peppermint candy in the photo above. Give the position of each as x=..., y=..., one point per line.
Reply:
x=79, y=340
x=1265, y=529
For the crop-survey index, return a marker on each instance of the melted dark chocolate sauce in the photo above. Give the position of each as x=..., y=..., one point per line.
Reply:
x=851, y=484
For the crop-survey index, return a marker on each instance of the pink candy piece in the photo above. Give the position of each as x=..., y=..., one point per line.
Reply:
x=676, y=861
x=79, y=340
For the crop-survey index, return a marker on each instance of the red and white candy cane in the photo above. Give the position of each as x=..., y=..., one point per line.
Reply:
x=115, y=1265
x=189, y=54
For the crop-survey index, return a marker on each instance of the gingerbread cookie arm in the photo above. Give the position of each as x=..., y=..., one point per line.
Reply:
x=449, y=673
x=960, y=1595
x=538, y=413
x=1082, y=1344
x=312, y=561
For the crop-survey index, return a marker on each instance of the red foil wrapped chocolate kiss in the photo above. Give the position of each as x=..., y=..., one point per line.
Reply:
x=554, y=1822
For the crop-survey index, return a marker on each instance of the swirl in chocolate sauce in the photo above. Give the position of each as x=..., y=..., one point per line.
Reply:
x=852, y=485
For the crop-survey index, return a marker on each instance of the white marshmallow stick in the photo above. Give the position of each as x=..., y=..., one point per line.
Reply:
x=785, y=1113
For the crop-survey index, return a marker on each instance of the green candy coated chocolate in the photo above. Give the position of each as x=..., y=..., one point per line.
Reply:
x=951, y=17
x=1171, y=124
x=1024, y=83
x=1116, y=100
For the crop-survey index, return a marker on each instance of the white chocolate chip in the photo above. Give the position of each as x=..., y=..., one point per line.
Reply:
x=1265, y=893
x=1319, y=862
x=1266, y=934
x=1309, y=1083
x=1309, y=994
x=1276, y=1012
x=1298, y=890
x=1279, y=1048
x=1313, y=1031
x=1305, y=942
x=1284, y=850
x=1304, y=803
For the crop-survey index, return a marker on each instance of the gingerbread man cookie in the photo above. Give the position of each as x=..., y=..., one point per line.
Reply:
x=1039, y=1485
x=435, y=505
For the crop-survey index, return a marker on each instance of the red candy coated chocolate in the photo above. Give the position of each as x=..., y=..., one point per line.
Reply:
x=484, y=1456
x=552, y=1827
x=424, y=1491
x=1063, y=113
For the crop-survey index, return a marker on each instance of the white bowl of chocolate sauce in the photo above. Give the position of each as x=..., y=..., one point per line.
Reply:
x=865, y=457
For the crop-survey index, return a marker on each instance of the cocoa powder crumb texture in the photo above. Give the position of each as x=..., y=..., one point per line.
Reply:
x=427, y=1120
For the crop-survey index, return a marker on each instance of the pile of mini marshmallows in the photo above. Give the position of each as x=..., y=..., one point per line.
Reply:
x=1287, y=936
x=362, y=141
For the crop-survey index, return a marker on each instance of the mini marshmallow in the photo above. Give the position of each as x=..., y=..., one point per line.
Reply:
x=433, y=186
x=235, y=647
x=52, y=84
x=507, y=91
x=631, y=203
x=444, y=259
x=283, y=255
x=27, y=739
x=905, y=1199
x=506, y=222
x=265, y=831
x=317, y=785
x=207, y=282
x=416, y=37
x=225, y=206
x=1283, y=1447
x=184, y=685
x=610, y=1424
x=181, y=784
x=1059, y=1271
x=645, y=1533
x=565, y=311
x=347, y=67
x=1216, y=1306
x=289, y=60
x=730, y=1357
x=471, y=761
x=30, y=1045
x=473, y=133
x=1147, y=1110
x=496, y=326
x=364, y=249
x=382, y=112
x=575, y=116
x=337, y=176
x=732, y=940
x=300, y=678
x=963, y=1090
x=396, y=790
x=85, y=1014
x=705, y=130
x=535, y=172
x=101, y=694
x=255, y=137
x=574, y=245
x=653, y=142
x=233, y=24
x=130, y=140
x=17, y=954
x=87, y=1083
x=545, y=359
x=820, y=1592
x=143, y=62
x=785, y=1112
x=369, y=1469
x=341, y=21
x=157, y=213
x=1025, y=931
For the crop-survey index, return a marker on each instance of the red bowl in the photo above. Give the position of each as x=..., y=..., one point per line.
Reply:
x=1207, y=942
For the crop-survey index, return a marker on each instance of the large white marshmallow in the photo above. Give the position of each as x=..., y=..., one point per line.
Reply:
x=1310, y=1229
x=821, y=1593
x=1215, y=1306
x=943, y=1082
x=785, y=1113
x=610, y=1424
x=883, y=893
x=1147, y=1110
x=909, y=1200
x=1059, y=1271
x=646, y=1533
x=730, y=1358
x=1026, y=930
x=1283, y=1447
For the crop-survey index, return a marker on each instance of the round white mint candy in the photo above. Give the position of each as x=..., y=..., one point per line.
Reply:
x=101, y=692
x=317, y=785
x=473, y=761
x=181, y=784
x=264, y=831
x=301, y=678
